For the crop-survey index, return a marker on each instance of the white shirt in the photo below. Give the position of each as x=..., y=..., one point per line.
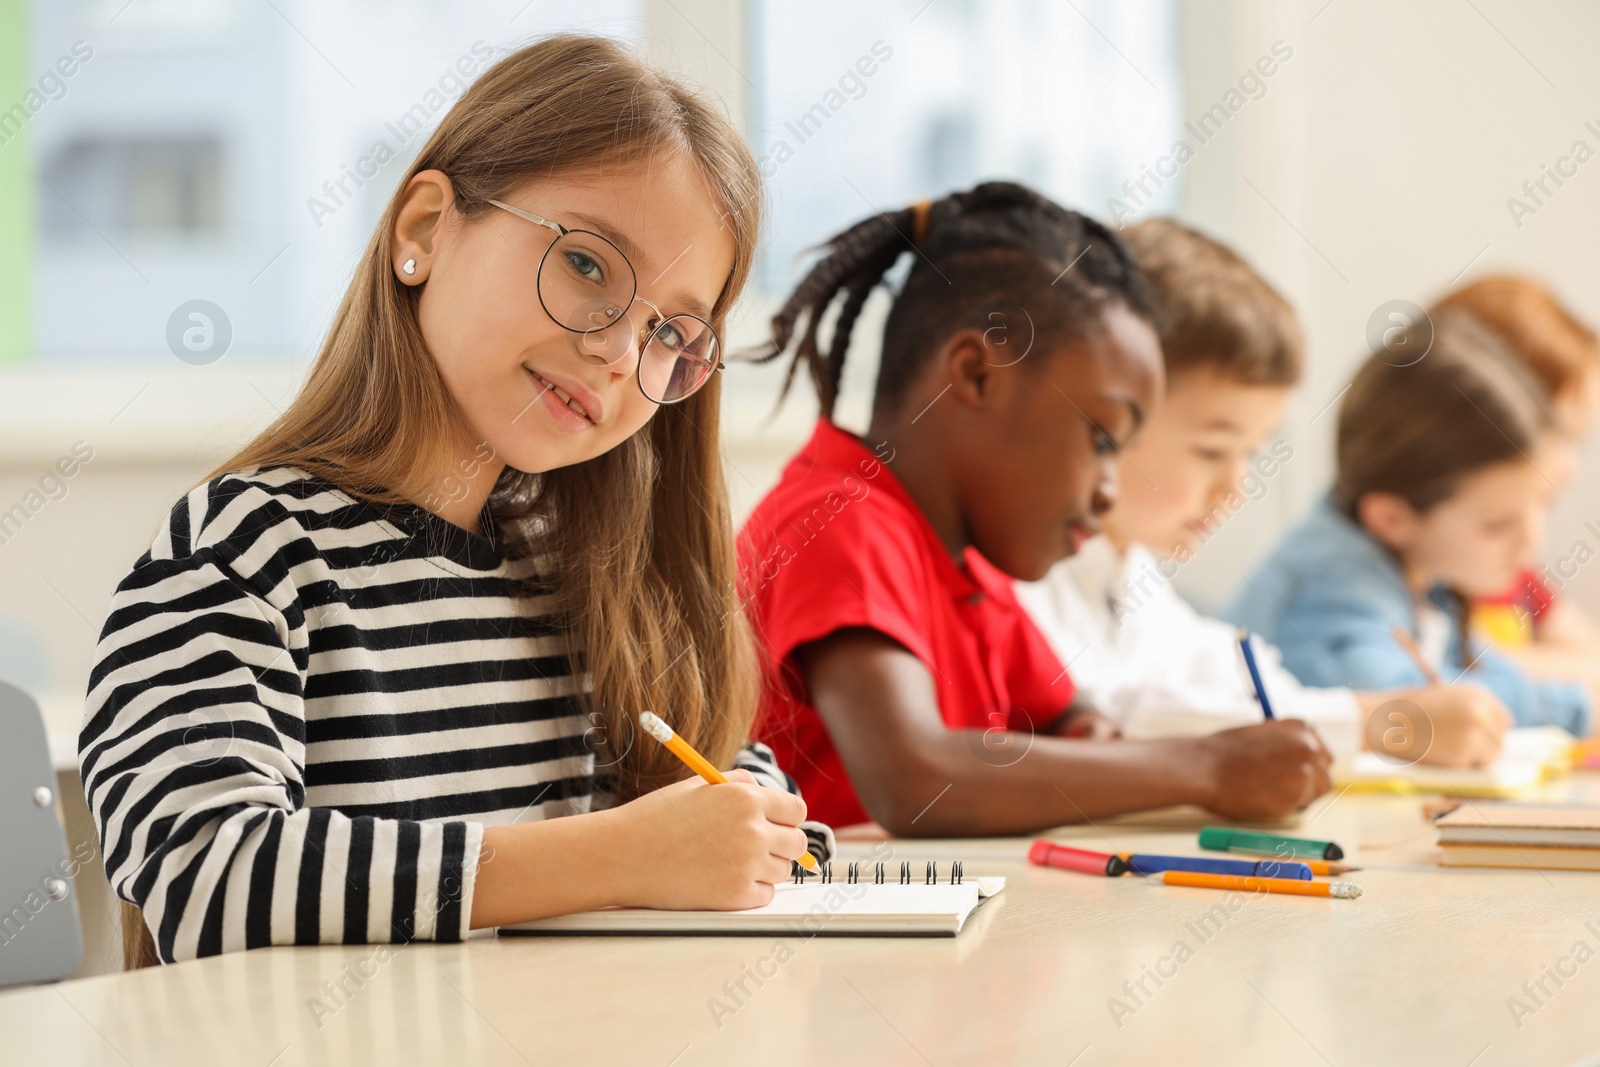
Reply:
x=1433, y=633
x=1154, y=665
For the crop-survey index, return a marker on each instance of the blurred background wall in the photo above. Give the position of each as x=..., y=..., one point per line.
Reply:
x=185, y=185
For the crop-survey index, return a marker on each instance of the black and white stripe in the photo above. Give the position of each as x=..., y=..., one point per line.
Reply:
x=305, y=708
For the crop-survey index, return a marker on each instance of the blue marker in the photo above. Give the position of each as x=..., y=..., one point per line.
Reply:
x=1140, y=864
x=1255, y=672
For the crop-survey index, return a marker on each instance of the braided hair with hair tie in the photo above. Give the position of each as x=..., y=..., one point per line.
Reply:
x=997, y=245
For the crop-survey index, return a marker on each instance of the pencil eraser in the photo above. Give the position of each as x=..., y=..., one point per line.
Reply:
x=655, y=727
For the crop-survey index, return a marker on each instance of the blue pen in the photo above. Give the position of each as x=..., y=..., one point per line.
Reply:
x=1255, y=672
x=1141, y=864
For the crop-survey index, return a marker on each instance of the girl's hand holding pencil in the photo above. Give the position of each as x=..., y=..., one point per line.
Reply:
x=718, y=841
x=1460, y=725
x=1455, y=725
x=694, y=845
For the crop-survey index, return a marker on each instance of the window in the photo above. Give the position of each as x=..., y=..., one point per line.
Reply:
x=868, y=107
x=168, y=186
x=236, y=153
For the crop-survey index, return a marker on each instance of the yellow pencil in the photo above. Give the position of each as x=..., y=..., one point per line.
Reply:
x=1405, y=641
x=1249, y=884
x=656, y=728
x=1327, y=867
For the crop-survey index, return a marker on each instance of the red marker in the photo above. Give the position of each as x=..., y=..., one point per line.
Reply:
x=1050, y=854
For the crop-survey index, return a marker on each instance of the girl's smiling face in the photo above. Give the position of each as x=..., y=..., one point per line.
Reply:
x=505, y=361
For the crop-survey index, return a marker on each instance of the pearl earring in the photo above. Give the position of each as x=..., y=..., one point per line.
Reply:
x=409, y=266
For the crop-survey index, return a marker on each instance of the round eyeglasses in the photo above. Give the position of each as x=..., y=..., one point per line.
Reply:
x=587, y=285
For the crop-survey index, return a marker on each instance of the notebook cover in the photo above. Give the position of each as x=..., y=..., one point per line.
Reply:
x=1522, y=824
x=838, y=909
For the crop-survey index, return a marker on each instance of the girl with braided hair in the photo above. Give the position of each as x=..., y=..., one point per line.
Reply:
x=1019, y=357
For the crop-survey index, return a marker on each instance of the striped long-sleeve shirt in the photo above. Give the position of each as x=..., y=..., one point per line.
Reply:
x=306, y=707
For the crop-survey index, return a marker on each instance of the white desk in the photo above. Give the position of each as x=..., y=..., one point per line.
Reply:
x=1418, y=971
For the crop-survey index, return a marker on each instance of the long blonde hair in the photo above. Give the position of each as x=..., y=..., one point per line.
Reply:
x=639, y=541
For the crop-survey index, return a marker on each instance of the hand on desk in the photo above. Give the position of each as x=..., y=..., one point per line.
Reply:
x=1265, y=771
x=1446, y=725
x=881, y=707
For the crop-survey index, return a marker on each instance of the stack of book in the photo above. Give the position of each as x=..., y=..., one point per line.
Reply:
x=1531, y=836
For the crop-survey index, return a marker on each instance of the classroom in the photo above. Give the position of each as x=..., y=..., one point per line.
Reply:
x=720, y=531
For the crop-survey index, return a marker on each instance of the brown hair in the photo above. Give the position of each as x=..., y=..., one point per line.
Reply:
x=138, y=947
x=638, y=542
x=1559, y=349
x=1416, y=429
x=1216, y=312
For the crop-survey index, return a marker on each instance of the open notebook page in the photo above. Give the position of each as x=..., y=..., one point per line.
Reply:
x=1530, y=755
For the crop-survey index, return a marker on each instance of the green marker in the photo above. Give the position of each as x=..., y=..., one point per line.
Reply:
x=1224, y=839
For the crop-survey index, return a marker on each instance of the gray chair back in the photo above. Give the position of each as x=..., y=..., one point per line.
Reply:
x=41, y=939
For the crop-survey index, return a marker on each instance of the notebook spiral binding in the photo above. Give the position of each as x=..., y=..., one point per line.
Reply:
x=853, y=873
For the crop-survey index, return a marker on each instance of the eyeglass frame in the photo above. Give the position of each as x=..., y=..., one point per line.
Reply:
x=649, y=333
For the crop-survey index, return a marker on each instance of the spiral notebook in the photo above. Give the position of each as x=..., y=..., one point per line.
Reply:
x=868, y=901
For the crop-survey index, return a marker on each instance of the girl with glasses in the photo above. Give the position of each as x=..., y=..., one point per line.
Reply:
x=365, y=665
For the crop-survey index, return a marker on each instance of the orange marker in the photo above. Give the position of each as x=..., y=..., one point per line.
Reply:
x=1405, y=641
x=656, y=728
x=1247, y=884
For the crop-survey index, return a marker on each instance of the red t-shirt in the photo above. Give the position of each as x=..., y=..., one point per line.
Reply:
x=839, y=543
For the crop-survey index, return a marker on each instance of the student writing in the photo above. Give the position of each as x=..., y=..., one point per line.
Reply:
x=1537, y=627
x=1233, y=353
x=363, y=667
x=1440, y=495
x=905, y=685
